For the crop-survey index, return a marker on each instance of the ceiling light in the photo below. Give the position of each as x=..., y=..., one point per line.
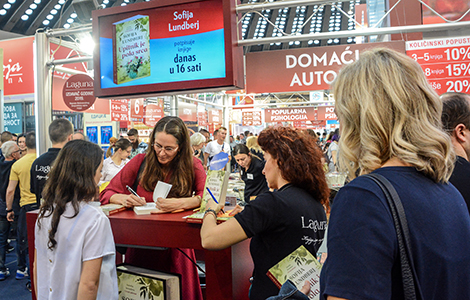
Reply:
x=3, y=12
x=11, y=1
x=6, y=6
x=57, y=6
x=37, y=1
x=53, y=11
x=73, y=15
x=24, y=17
x=50, y=17
x=61, y=1
x=70, y=20
x=45, y=22
x=66, y=25
x=29, y=11
x=33, y=6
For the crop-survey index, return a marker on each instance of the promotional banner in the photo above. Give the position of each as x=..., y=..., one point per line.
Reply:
x=445, y=62
x=168, y=44
x=251, y=118
x=289, y=114
x=326, y=113
x=18, y=71
x=137, y=108
x=305, y=69
x=187, y=111
x=153, y=113
x=202, y=118
x=78, y=92
x=215, y=116
x=120, y=110
x=13, y=117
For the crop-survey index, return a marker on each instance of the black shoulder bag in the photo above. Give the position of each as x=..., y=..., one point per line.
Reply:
x=410, y=280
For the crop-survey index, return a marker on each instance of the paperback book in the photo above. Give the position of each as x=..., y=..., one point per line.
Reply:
x=217, y=182
x=111, y=208
x=136, y=283
x=298, y=267
x=131, y=49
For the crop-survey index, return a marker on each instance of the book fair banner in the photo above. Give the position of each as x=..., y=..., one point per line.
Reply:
x=445, y=62
x=326, y=113
x=120, y=110
x=78, y=92
x=251, y=118
x=153, y=113
x=18, y=66
x=306, y=69
x=137, y=108
x=215, y=116
x=289, y=114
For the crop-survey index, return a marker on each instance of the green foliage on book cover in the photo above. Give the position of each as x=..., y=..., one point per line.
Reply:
x=148, y=289
x=132, y=62
x=298, y=266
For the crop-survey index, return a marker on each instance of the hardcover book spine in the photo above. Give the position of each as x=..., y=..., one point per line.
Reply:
x=115, y=211
x=115, y=66
x=274, y=279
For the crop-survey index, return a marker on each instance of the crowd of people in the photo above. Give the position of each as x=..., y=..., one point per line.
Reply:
x=393, y=125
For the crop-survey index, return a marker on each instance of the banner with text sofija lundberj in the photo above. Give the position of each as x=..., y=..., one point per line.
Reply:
x=306, y=69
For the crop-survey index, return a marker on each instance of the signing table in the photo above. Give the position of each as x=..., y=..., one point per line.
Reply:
x=227, y=271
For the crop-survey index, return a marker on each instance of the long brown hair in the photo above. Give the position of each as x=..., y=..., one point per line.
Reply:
x=182, y=176
x=72, y=179
x=298, y=159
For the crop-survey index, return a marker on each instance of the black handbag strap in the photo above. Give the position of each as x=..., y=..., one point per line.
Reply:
x=410, y=280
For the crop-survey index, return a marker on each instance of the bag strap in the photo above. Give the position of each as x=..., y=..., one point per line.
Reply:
x=141, y=169
x=410, y=280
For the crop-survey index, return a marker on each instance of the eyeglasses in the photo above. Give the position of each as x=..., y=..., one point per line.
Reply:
x=159, y=148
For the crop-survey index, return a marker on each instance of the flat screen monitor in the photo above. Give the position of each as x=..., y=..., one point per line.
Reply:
x=166, y=47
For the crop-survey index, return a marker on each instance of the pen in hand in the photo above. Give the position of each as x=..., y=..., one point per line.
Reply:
x=133, y=192
x=215, y=200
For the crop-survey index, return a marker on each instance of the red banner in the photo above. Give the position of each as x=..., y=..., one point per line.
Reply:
x=137, y=108
x=289, y=114
x=153, y=113
x=445, y=62
x=251, y=118
x=202, y=118
x=18, y=66
x=306, y=69
x=187, y=112
x=215, y=116
x=120, y=110
x=326, y=113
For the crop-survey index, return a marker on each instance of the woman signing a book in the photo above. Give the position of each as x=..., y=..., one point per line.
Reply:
x=278, y=222
x=74, y=254
x=171, y=160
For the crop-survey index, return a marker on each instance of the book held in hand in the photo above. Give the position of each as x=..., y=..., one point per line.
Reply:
x=217, y=182
x=136, y=283
x=298, y=267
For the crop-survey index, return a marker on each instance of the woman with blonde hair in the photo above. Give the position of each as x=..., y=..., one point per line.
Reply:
x=390, y=125
x=252, y=144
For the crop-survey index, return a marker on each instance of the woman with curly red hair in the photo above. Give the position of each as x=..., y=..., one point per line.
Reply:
x=281, y=221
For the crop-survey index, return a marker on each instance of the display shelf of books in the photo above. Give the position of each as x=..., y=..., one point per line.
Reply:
x=74, y=117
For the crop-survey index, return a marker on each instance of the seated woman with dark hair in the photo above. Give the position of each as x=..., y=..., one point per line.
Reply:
x=251, y=172
x=276, y=220
x=169, y=160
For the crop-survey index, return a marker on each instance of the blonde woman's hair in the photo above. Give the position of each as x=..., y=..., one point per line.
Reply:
x=252, y=143
x=387, y=110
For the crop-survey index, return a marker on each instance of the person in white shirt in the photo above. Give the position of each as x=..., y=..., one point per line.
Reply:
x=74, y=245
x=113, y=164
x=217, y=146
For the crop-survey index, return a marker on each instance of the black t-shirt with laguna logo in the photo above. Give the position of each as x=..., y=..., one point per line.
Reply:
x=280, y=222
x=40, y=171
x=255, y=182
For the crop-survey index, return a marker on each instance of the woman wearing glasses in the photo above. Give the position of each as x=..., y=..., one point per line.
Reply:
x=169, y=159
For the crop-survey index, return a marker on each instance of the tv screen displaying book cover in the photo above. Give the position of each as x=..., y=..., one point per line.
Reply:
x=151, y=48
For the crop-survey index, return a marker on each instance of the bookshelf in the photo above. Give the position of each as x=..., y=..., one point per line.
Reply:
x=74, y=117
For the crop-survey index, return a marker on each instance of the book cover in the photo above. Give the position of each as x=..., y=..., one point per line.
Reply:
x=111, y=208
x=298, y=266
x=217, y=182
x=131, y=49
x=136, y=283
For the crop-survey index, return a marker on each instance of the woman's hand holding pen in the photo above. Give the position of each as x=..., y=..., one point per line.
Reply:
x=127, y=200
x=215, y=206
